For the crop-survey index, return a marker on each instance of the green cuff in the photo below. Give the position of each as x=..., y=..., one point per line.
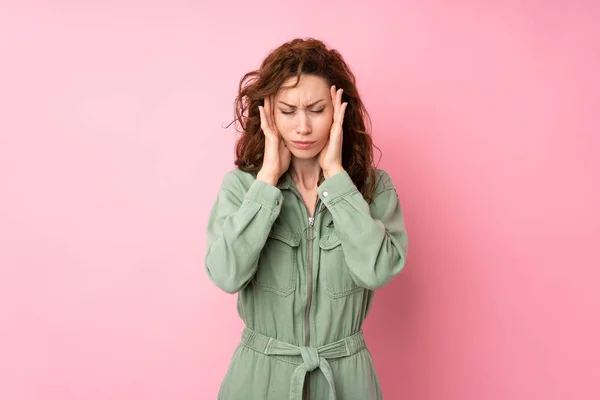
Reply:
x=336, y=187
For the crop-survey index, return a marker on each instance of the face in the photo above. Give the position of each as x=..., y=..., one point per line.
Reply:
x=304, y=115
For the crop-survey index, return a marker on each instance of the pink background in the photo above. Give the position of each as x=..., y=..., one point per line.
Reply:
x=112, y=148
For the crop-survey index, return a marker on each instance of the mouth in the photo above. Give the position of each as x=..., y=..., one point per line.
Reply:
x=302, y=144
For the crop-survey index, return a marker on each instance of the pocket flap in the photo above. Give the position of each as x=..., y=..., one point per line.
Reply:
x=330, y=241
x=284, y=234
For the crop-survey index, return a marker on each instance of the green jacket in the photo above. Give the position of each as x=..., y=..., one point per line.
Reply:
x=305, y=284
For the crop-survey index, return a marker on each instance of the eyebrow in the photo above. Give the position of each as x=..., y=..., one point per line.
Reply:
x=310, y=105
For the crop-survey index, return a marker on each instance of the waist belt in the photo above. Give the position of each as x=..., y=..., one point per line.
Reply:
x=312, y=357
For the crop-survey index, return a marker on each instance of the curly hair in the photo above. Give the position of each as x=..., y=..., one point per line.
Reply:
x=292, y=59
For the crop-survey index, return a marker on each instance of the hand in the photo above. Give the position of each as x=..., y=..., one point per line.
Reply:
x=277, y=156
x=330, y=158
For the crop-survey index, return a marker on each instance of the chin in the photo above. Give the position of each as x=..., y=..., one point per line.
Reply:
x=304, y=155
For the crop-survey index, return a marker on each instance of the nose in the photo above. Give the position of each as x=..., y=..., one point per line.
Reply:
x=303, y=127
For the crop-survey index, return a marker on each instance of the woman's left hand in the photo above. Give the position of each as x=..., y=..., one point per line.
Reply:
x=330, y=158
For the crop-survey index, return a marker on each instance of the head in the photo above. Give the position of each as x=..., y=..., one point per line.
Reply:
x=303, y=111
x=298, y=75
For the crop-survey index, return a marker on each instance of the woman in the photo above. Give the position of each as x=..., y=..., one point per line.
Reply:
x=304, y=230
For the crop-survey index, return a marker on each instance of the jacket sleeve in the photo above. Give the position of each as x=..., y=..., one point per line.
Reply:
x=238, y=227
x=373, y=237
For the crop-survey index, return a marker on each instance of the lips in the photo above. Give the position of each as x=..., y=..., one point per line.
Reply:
x=302, y=145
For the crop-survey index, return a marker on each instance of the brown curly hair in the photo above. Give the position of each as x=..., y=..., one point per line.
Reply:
x=292, y=59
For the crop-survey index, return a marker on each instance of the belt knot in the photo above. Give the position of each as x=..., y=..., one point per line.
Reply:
x=311, y=358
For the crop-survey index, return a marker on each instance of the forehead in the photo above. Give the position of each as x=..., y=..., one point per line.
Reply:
x=309, y=88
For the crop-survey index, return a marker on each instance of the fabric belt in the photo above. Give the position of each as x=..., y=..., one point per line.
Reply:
x=312, y=357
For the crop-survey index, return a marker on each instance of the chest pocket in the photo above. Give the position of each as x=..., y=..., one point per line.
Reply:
x=338, y=281
x=277, y=270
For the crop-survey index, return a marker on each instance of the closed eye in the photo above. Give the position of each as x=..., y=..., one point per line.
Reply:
x=314, y=111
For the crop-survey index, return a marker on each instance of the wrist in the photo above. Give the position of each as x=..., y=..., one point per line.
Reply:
x=267, y=177
x=327, y=173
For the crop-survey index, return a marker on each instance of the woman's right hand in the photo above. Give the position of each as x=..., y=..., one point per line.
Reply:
x=277, y=156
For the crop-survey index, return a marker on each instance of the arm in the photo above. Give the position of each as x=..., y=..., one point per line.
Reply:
x=373, y=238
x=238, y=227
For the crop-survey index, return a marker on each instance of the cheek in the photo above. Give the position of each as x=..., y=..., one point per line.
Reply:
x=320, y=146
x=285, y=123
x=322, y=127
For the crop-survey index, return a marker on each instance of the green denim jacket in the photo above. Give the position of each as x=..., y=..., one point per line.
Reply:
x=303, y=281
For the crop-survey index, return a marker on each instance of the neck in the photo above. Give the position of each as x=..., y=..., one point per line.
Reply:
x=305, y=173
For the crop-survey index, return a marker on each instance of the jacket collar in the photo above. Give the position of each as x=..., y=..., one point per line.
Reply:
x=285, y=181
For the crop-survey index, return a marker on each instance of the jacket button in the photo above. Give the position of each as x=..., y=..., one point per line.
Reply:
x=276, y=202
x=325, y=194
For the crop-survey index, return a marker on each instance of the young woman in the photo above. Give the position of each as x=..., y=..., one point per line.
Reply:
x=305, y=229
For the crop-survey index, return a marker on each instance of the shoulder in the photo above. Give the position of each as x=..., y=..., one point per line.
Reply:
x=383, y=181
x=237, y=181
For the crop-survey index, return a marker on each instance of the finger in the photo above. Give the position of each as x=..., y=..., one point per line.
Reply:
x=332, y=92
x=269, y=113
x=339, y=98
x=340, y=117
x=266, y=113
x=263, y=122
